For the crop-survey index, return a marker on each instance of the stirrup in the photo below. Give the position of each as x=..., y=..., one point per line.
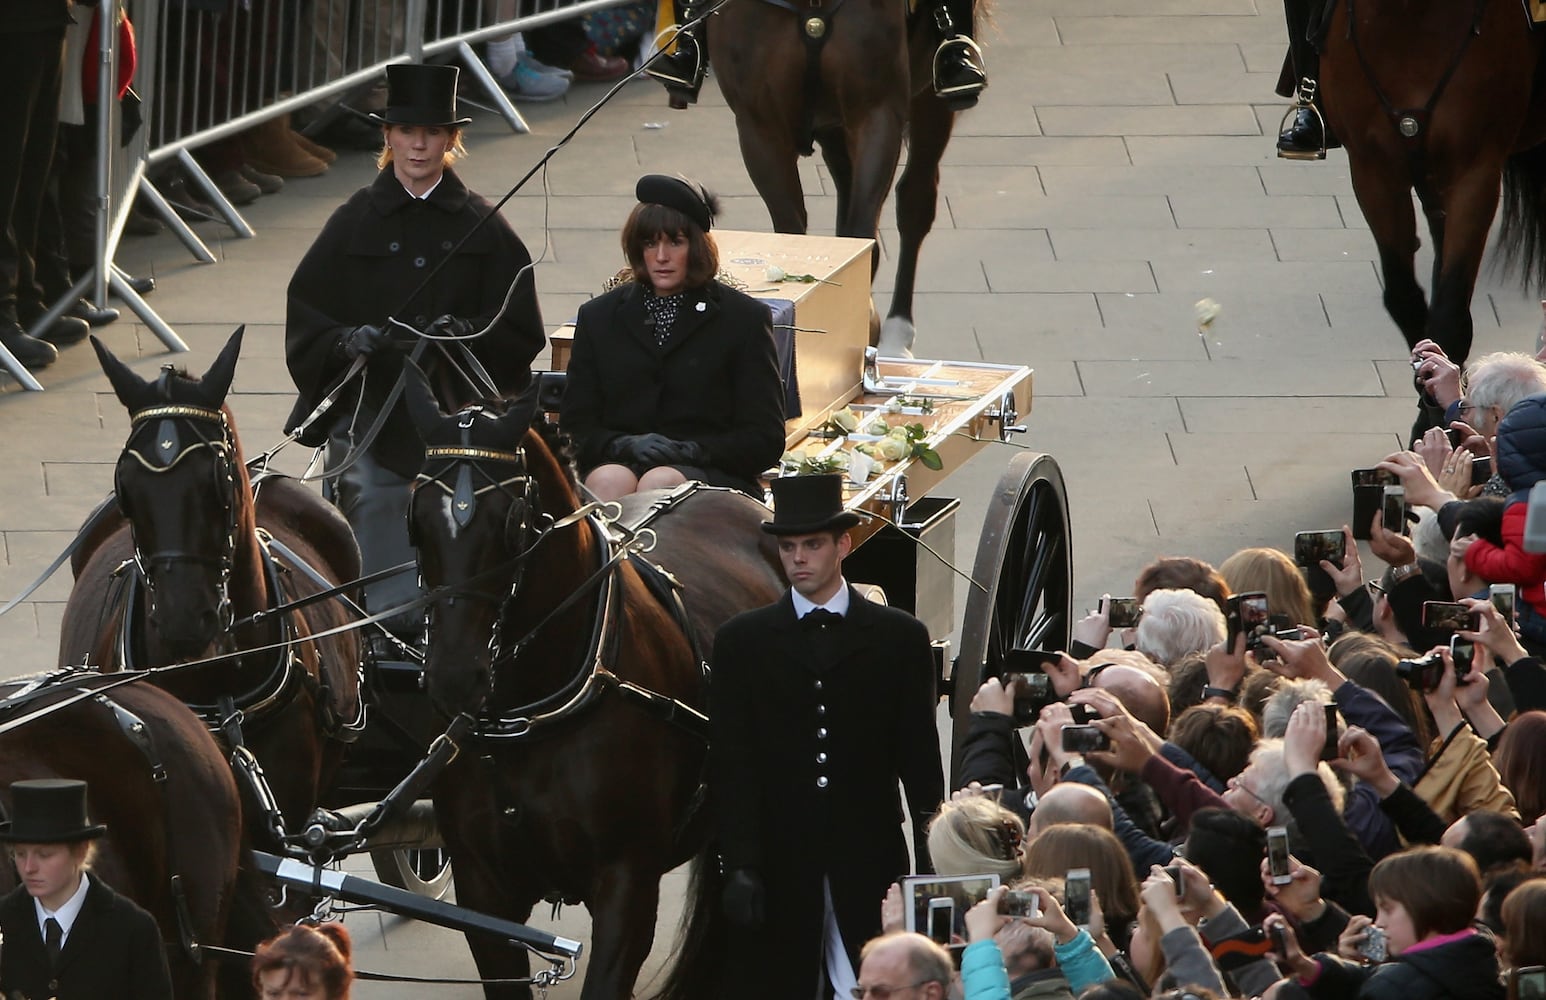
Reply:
x=678, y=82
x=968, y=91
x=1304, y=98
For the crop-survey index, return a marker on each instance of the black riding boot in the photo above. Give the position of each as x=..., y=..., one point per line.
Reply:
x=682, y=70
x=959, y=74
x=1305, y=136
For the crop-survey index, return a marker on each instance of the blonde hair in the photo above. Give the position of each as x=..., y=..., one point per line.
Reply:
x=454, y=152
x=1273, y=573
x=976, y=834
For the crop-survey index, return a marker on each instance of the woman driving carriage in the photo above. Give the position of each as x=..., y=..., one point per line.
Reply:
x=369, y=265
x=673, y=375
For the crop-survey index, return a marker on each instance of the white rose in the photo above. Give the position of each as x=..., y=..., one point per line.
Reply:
x=845, y=420
x=893, y=405
x=1207, y=311
x=860, y=466
x=775, y=273
x=893, y=449
x=876, y=426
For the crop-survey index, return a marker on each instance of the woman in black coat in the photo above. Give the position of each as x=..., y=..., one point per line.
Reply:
x=67, y=934
x=370, y=262
x=673, y=375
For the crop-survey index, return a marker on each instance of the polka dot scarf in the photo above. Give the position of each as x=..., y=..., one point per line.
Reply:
x=663, y=309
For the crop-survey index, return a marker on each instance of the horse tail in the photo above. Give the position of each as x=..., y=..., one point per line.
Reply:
x=1522, y=232
x=702, y=940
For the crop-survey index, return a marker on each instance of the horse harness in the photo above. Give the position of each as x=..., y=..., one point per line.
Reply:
x=180, y=429
x=814, y=17
x=1412, y=124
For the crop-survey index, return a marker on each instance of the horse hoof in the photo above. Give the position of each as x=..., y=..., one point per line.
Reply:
x=896, y=338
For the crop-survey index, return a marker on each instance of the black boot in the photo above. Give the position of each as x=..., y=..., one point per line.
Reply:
x=682, y=70
x=1304, y=139
x=67, y=329
x=30, y=351
x=959, y=76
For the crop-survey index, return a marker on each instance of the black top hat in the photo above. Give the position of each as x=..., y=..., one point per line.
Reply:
x=687, y=197
x=421, y=95
x=804, y=505
x=49, y=811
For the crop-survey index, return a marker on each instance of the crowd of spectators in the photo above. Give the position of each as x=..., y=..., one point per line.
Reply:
x=1415, y=861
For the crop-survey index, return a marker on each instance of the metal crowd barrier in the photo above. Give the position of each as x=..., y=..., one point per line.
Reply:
x=209, y=70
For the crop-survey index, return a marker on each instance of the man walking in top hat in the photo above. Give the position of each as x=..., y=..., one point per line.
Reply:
x=819, y=704
x=67, y=934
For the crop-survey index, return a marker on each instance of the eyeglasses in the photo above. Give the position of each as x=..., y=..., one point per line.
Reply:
x=884, y=992
x=1374, y=588
x=1237, y=783
x=1465, y=407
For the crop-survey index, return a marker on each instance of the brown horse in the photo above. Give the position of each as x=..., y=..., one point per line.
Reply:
x=573, y=787
x=159, y=782
x=875, y=88
x=194, y=561
x=1441, y=98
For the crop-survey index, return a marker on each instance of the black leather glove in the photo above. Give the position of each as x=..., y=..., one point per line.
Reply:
x=450, y=326
x=364, y=339
x=644, y=449
x=742, y=897
x=690, y=453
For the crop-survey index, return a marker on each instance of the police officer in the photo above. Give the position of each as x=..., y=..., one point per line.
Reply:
x=1306, y=137
x=819, y=704
x=959, y=73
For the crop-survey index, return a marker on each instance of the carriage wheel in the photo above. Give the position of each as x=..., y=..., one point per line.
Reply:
x=422, y=870
x=1025, y=560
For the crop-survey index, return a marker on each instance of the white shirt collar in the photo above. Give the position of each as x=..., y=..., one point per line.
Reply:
x=67, y=913
x=432, y=187
x=838, y=605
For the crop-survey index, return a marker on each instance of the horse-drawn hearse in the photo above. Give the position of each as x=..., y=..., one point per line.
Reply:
x=550, y=738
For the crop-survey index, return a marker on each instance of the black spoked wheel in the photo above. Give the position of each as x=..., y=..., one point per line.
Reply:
x=423, y=870
x=1025, y=561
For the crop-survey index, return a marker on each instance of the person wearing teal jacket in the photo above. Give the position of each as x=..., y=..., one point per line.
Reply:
x=983, y=976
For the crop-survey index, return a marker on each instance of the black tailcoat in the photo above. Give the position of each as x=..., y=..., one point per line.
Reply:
x=806, y=753
x=114, y=950
x=371, y=255
x=714, y=382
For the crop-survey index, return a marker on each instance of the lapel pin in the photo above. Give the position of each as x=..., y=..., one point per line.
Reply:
x=701, y=306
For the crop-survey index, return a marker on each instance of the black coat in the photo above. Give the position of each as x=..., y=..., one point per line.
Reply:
x=1461, y=970
x=369, y=257
x=714, y=382
x=114, y=950
x=805, y=756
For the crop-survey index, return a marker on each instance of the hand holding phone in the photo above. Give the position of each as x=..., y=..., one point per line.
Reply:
x=1278, y=855
x=1450, y=616
x=1122, y=612
x=1076, y=897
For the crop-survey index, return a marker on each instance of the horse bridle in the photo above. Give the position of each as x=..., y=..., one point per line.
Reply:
x=522, y=533
x=180, y=429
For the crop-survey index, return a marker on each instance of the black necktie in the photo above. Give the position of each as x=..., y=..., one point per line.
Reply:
x=53, y=939
x=820, y=618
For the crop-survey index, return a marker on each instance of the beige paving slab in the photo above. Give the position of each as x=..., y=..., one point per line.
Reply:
x=1284, y=308
x=1323, y=245
x=1224, y=378
x=1156, y=150
x=1266, y=56
x=1350, y=310
x=1213, y=245
x=1092, y=85
x=971, y=150
x=1011, y=314
x=1198, y=278
x=1282, y=177
x=1288, y=458
x=1306, y=414
x=1019, y=179
x=1011, y=275
x=1232, y=525
x=1078, y=343
x=1229, y=83
x=1064, y=181
x=1158, y=121
x=1301, y=212
x=1008, y=211
x=1133, y=29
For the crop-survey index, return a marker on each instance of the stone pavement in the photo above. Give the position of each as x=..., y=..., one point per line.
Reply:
x=1120, y=168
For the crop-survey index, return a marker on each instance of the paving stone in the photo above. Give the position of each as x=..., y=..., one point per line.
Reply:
x=1324, y=245
x=1227, y=83
x=1012, y=275
x=971, y=150
x=1085, y=181
x=1199, y=119
x=1223, y=378
x=1158, y=150
x=1184, y=31
x=1290, y=177
x=984, y=211
x=1211, y=245
x=1306, y=414
x=1351, y=277
x=1251, y=212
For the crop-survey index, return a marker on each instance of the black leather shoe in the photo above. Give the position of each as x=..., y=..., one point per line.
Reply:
x=66, y=329
x=959, y=78
x=91, y=314
x=1304, y=139
x=681, y=71
x=30, y=351
x=140, y=285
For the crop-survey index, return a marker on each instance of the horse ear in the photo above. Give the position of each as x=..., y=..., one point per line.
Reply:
x=423, y=409
x=523, y=409
x=127, y=386
x=217, y=381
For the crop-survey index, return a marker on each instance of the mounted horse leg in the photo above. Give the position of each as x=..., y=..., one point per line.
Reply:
x=917, y=201
x=1470, y=202
x=774, y=170
x=875, y=147
x=1385, y=196
x=834, y=152
x=622, y=905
